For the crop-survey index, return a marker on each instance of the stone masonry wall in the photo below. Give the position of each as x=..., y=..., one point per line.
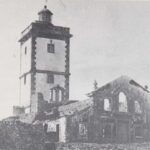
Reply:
x=15, y=135
x=89, y=146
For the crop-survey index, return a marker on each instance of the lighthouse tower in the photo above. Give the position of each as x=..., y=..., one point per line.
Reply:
x=44, y=62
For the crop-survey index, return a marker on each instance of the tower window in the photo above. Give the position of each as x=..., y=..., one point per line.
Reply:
x=50, y=78
x=57, y=94
x=25, y=50
x=50, y=48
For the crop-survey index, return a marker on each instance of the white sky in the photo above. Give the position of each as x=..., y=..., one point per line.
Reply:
x=111, y=38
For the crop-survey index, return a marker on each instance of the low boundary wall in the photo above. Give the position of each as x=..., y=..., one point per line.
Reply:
x=91, y=146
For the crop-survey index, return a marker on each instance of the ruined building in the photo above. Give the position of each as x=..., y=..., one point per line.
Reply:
x=118, y=112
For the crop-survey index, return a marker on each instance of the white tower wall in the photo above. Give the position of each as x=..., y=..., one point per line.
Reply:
x=50, y=61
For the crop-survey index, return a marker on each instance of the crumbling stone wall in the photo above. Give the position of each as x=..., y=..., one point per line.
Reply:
x=122, y=125
x=15, y=135
x=84, y=118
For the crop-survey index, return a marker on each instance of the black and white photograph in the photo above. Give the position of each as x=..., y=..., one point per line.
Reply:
x=74, y=74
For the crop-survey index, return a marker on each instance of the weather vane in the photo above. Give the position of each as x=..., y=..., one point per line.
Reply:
x=46, y=1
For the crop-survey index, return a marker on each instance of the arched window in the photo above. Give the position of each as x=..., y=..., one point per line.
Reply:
x=137, y=107
x=54, y=95
x=57, y=94
x=107, y=105
x=123, y=107
x=60, y=95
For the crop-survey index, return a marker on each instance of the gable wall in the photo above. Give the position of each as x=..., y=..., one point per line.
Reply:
x=121, y=123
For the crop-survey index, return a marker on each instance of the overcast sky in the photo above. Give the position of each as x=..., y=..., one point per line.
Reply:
x=110, y=39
